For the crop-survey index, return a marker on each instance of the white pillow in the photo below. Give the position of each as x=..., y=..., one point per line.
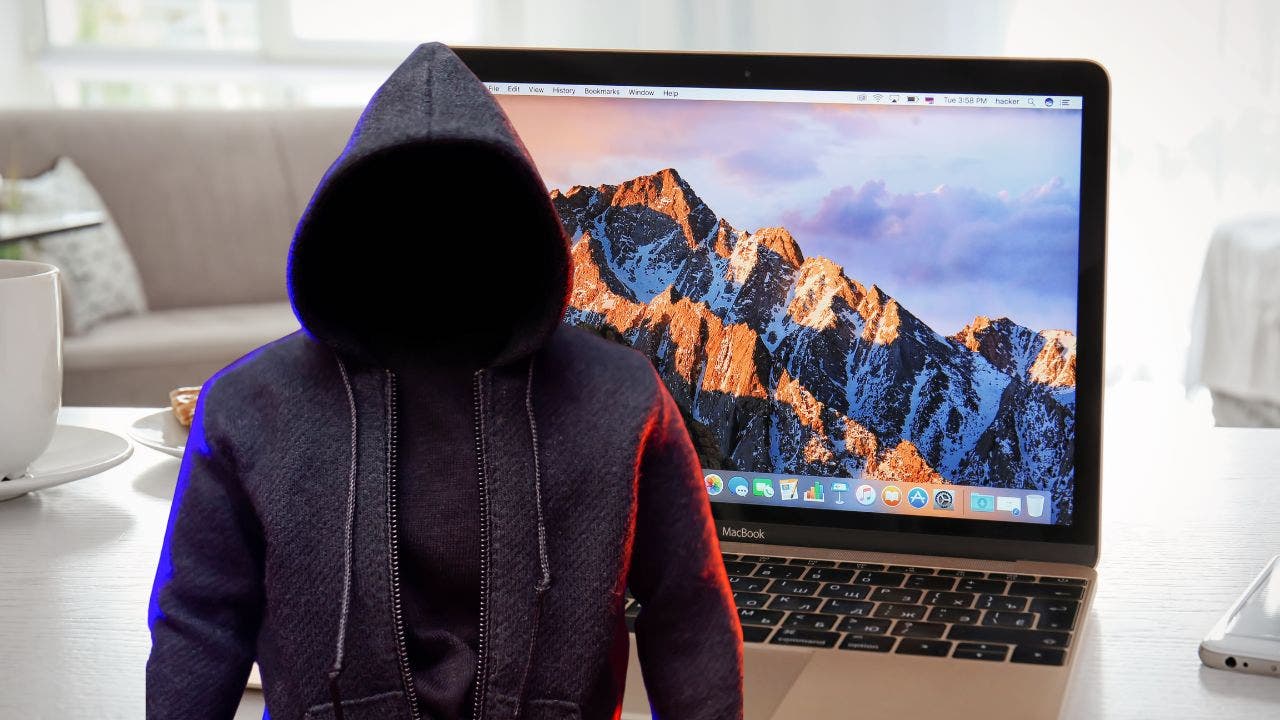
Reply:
x=99, y=277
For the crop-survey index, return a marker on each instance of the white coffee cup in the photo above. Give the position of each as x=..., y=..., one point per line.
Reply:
x=30, y=362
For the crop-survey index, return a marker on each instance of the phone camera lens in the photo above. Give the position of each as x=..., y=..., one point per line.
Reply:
x=1231, y=662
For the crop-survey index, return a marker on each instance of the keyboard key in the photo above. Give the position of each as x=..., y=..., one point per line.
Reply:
x=848, y=607
x=793, y=587
x=811, y=621
x=917, y=646
x=867, y=643
x=913, y=628
x=981, y=651
x=954, y=615
x=995, y=587
x=1009, y=636
x=910, y=569
x=762, y=559
x=1011, y=577
x=859, y=566
x=1038, y=655
x=900, y=612
x=949, y=599
x=961, y=573
x=1000, y=618
x=930, y=582
x=812, y=563
x=1055, y=614
x=823, y=574
x=755, y=633
x=897, y=595
x=865, y=626
x=750, y=600
x=748, y=584
x=872, y=577
x=795, y=603
x=805, y=638
x=846, y=592
x=739, y=568
x=1061, y=592
x=1056, y=621
x=759, y=616
x=1063, y=581
x=773, y=570
x=1054, y=605
x=1007, y=603
x=729, y=556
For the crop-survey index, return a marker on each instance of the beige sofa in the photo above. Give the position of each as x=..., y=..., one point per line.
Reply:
x=207, y=203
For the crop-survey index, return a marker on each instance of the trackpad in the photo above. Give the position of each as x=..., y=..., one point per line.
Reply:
x=772, y=671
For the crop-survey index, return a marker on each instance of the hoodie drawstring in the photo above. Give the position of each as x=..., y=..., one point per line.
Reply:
x=335, y=696
x=544, y=581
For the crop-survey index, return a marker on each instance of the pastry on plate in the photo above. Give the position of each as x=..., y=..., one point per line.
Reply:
x=183, y=401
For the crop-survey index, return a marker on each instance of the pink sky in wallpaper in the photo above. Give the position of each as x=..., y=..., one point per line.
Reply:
x=955, y=211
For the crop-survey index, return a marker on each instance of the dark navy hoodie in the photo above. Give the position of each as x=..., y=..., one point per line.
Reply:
x=430, y=501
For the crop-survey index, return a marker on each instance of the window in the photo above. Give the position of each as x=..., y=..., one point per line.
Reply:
x=238, y=53
x=382, y=21
x=274, y=28
x=153, y=24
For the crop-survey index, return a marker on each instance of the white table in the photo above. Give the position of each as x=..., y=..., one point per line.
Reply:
x=1191, y=515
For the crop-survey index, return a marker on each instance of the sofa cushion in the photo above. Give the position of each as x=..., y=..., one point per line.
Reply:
x=99, y=279
x=206, y=200
x=181, y=336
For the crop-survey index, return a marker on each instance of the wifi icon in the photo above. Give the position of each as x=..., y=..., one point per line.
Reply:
x=877, y=97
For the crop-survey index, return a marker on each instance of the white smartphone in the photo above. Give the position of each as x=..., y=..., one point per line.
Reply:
x=1247, y=638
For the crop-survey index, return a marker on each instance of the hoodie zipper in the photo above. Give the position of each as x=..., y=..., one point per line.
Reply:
x=477, y=693
x=397, y=608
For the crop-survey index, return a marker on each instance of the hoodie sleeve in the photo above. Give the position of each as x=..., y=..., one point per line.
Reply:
x=687, y=634
x=207, y=600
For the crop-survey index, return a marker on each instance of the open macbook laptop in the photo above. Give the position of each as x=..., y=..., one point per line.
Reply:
x=875, y=288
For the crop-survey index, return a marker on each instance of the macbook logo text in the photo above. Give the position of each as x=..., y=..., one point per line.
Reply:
x=741, y=533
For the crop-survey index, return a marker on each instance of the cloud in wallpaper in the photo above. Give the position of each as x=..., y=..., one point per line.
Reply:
x=991, y=194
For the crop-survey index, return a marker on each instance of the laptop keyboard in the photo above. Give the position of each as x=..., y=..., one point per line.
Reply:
x=911, y=610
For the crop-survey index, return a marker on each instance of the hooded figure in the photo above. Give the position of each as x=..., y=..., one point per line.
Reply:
x=430, y=502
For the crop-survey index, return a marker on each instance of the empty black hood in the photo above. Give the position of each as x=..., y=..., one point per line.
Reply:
x=432, y=235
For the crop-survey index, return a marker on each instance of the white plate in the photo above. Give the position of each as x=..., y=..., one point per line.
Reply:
x=160, y=431
x=75, y=452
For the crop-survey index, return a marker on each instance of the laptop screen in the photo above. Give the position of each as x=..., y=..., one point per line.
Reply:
x=862, y=301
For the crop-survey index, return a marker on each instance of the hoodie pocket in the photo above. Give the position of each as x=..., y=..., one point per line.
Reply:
x=383, y=706
x=553, y=710
x=536, y=709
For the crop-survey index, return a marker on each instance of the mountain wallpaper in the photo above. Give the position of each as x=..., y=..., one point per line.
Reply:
x=833, y=290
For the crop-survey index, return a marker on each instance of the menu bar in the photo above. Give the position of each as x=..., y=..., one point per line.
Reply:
x=964, y=502
x=844, y=97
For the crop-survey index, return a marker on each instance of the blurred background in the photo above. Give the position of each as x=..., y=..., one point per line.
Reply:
x=1196, y=98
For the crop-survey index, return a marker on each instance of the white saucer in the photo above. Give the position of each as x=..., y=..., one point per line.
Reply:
x=160, y=431
x=75, y=452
